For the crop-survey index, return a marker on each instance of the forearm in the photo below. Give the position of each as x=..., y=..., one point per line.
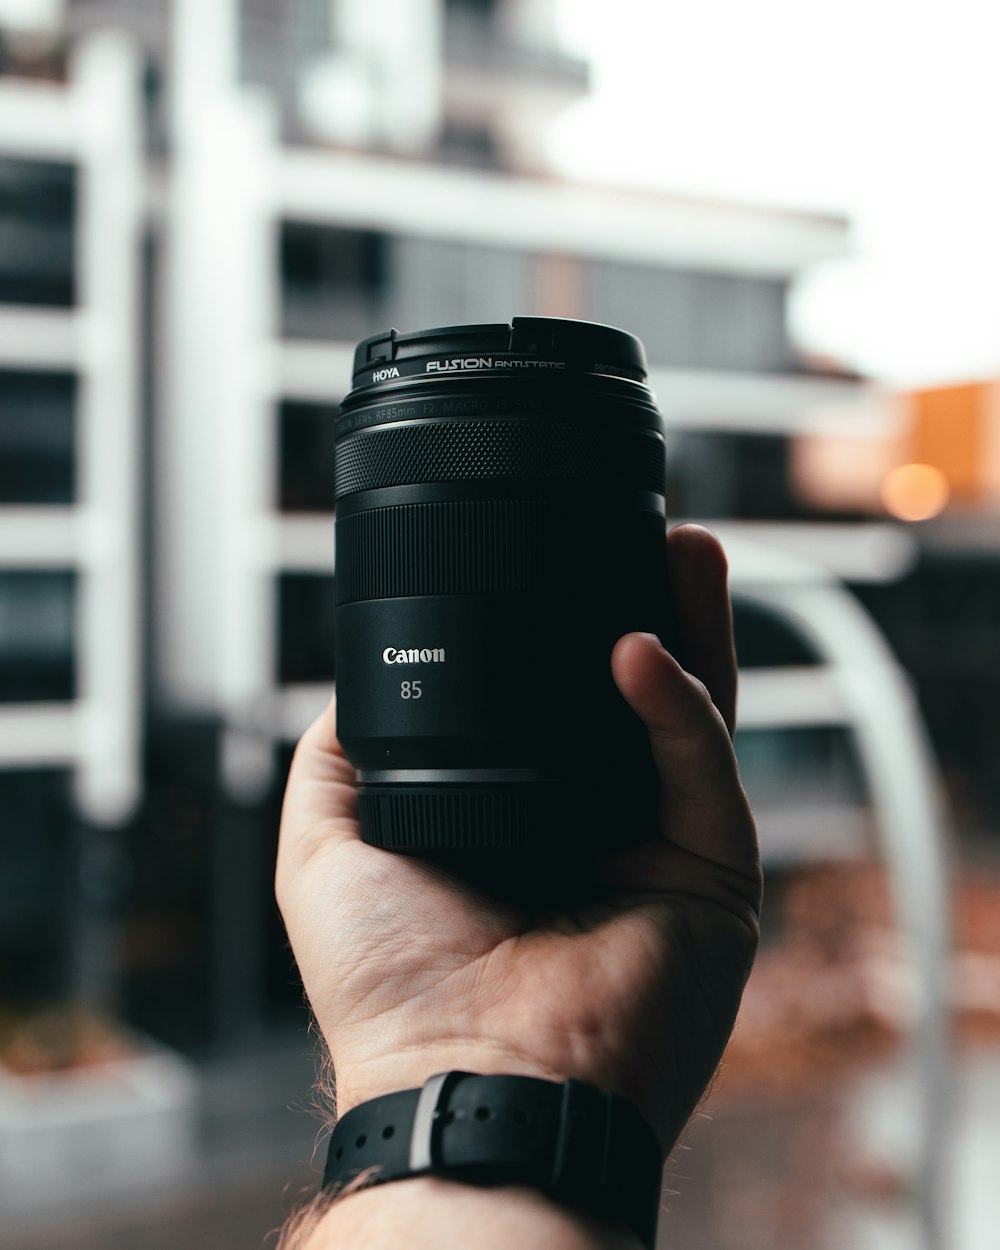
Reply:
x=428, y=1214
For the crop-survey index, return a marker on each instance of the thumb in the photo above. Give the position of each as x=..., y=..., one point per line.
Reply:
x=320, y=806
x=702, y=805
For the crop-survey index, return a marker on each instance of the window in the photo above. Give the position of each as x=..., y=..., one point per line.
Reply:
x=37, y=208
x=305, y=457
x=305, y=627
x=37, y=660
x=333, y=281
x=37, y=438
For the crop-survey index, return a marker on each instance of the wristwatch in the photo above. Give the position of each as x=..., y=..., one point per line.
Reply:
x=581, y=1145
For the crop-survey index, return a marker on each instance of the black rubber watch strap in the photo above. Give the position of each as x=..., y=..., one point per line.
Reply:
x=581, y=1145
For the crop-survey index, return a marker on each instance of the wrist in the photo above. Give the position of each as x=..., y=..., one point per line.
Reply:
x=421, y=1211
x=372, y=1077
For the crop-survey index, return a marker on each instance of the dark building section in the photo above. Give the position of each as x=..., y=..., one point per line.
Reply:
x=470, y=22
x=334, y=282
x=440, y=282
x=764, y=640
x=943, y=622
x=283, y=999
x=37, y=633
x=37, y=211
x=38, y=857
x=37, y=438
x=469, y=143
x=697, y=319
x=305, y=627
x=817, y=767
x=167, y=941
x=305, y=458
x=344, y=284
x=740, y=475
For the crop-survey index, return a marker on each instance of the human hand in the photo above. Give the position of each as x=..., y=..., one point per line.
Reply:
x=411, y=970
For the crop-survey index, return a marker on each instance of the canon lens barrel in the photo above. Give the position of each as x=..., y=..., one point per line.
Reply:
x=500, y=523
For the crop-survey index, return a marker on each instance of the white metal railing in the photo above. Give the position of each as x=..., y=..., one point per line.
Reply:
x=94, y=122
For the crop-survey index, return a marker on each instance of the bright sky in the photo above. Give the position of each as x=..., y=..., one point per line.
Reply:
x=885, y=109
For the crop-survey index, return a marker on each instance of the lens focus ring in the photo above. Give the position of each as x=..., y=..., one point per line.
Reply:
x=524, y=449
x=469, y=546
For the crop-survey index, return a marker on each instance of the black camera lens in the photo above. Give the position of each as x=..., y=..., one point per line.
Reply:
x=499, y=525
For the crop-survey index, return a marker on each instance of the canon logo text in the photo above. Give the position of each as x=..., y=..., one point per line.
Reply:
x=413, y=655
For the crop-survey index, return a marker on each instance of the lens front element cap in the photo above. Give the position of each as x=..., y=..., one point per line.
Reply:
x=529, y=345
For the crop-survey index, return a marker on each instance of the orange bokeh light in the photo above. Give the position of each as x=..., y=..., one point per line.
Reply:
x=915, y=492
